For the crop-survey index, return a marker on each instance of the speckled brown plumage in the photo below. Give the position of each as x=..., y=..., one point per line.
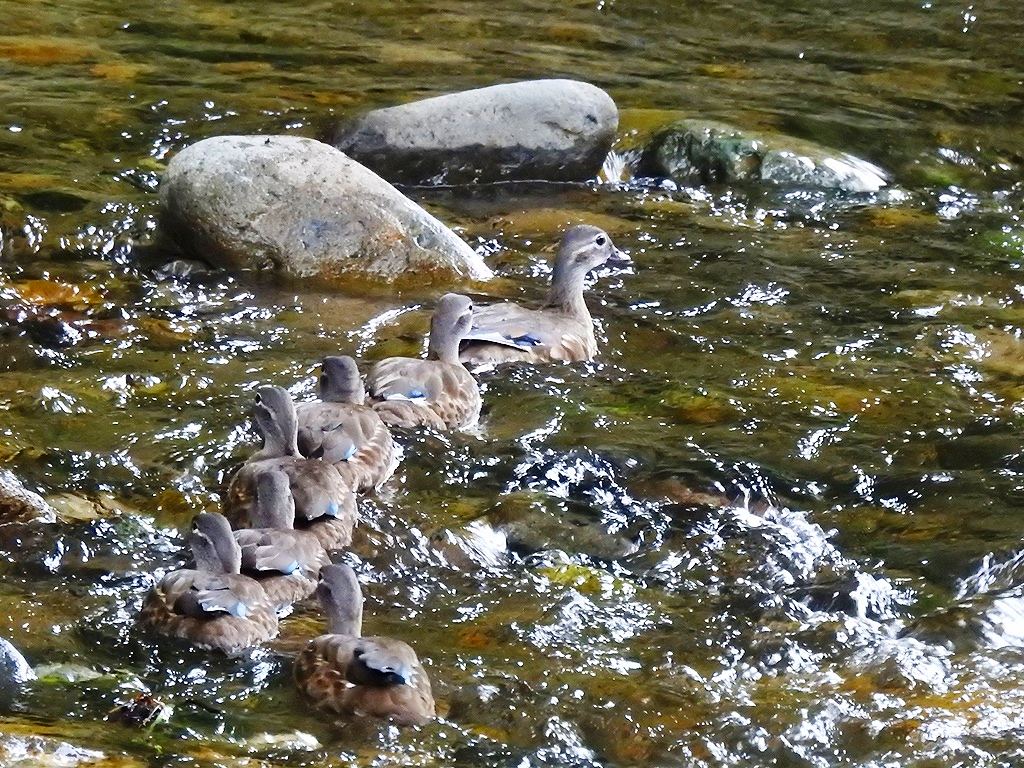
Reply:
x=354, y=676
x=556, y=336
x=451, y=398
x=321, y=673
x=212, y=606
x=228, y=634
x=332, y=533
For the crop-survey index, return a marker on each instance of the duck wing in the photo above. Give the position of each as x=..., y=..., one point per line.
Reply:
x=285, y=563
x=226, y=612
x=212, y=594
x=329, y=431
x=506, y=332
x=269, y=551
x=351, y=437
x=409, y=393
x=367, y=676
x=316, y=486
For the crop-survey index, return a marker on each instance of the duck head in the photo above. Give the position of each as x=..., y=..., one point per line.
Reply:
x=275, y=505
x=342, y=600
x=452, y=319
x=340, y=381
x=583, y=248
x=213, y=545
x=274, y=414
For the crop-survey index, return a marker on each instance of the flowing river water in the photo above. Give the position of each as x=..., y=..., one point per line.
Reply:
x=777, y=522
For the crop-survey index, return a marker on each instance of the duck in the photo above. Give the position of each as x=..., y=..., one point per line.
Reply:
x=561, y=329
x=324, y=503
x=350, y=675
x=212, y=606
x=437, y=393
x=345, y=432
x=284, y=561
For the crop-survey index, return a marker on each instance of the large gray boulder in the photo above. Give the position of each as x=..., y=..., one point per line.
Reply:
x=708, y=152
x=304, y=208
x=553, y=130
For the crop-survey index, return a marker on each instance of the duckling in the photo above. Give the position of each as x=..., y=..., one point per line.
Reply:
x=324, y=502
x=343, y=431
x=561, y=330
x=360, y=676
x=212, y=606
x=284, y=561
x=437, y=392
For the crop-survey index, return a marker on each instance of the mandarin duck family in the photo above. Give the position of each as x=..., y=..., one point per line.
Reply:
x=294, y=501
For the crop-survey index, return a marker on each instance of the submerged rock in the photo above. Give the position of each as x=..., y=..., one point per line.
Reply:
x=710, y=152
x=44, y=752
x=531, y=524
x=304, y=208
x=14, y=670
x=552, y=130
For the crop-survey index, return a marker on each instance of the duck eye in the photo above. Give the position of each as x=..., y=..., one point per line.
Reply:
x=259, y=399
x=601, y=240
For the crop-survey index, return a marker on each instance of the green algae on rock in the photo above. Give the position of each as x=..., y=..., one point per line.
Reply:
x=710, y=152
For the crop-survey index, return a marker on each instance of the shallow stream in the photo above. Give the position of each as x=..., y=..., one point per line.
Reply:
x=777, y=522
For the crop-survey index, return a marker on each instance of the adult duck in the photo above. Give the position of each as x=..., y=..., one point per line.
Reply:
x=212, y=605
x=324, y=502
x=437, y=392
x=350, y=675
x=284, y=561
x=561, y=329
x=343, y=431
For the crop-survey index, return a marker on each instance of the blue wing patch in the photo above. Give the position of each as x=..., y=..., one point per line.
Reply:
x=526, y=340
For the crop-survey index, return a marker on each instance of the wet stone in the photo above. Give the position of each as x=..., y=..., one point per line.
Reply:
x=19, y=504
x=534, y=528
x=301, y=207
x=550, y=130
x=708, y=152
x=14, y=669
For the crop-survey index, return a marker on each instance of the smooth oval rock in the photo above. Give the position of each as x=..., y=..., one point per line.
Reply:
x=301, y=207
x=551, y=130
x=710, y=152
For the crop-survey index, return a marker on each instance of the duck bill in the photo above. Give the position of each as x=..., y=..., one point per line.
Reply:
x=619, y=260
